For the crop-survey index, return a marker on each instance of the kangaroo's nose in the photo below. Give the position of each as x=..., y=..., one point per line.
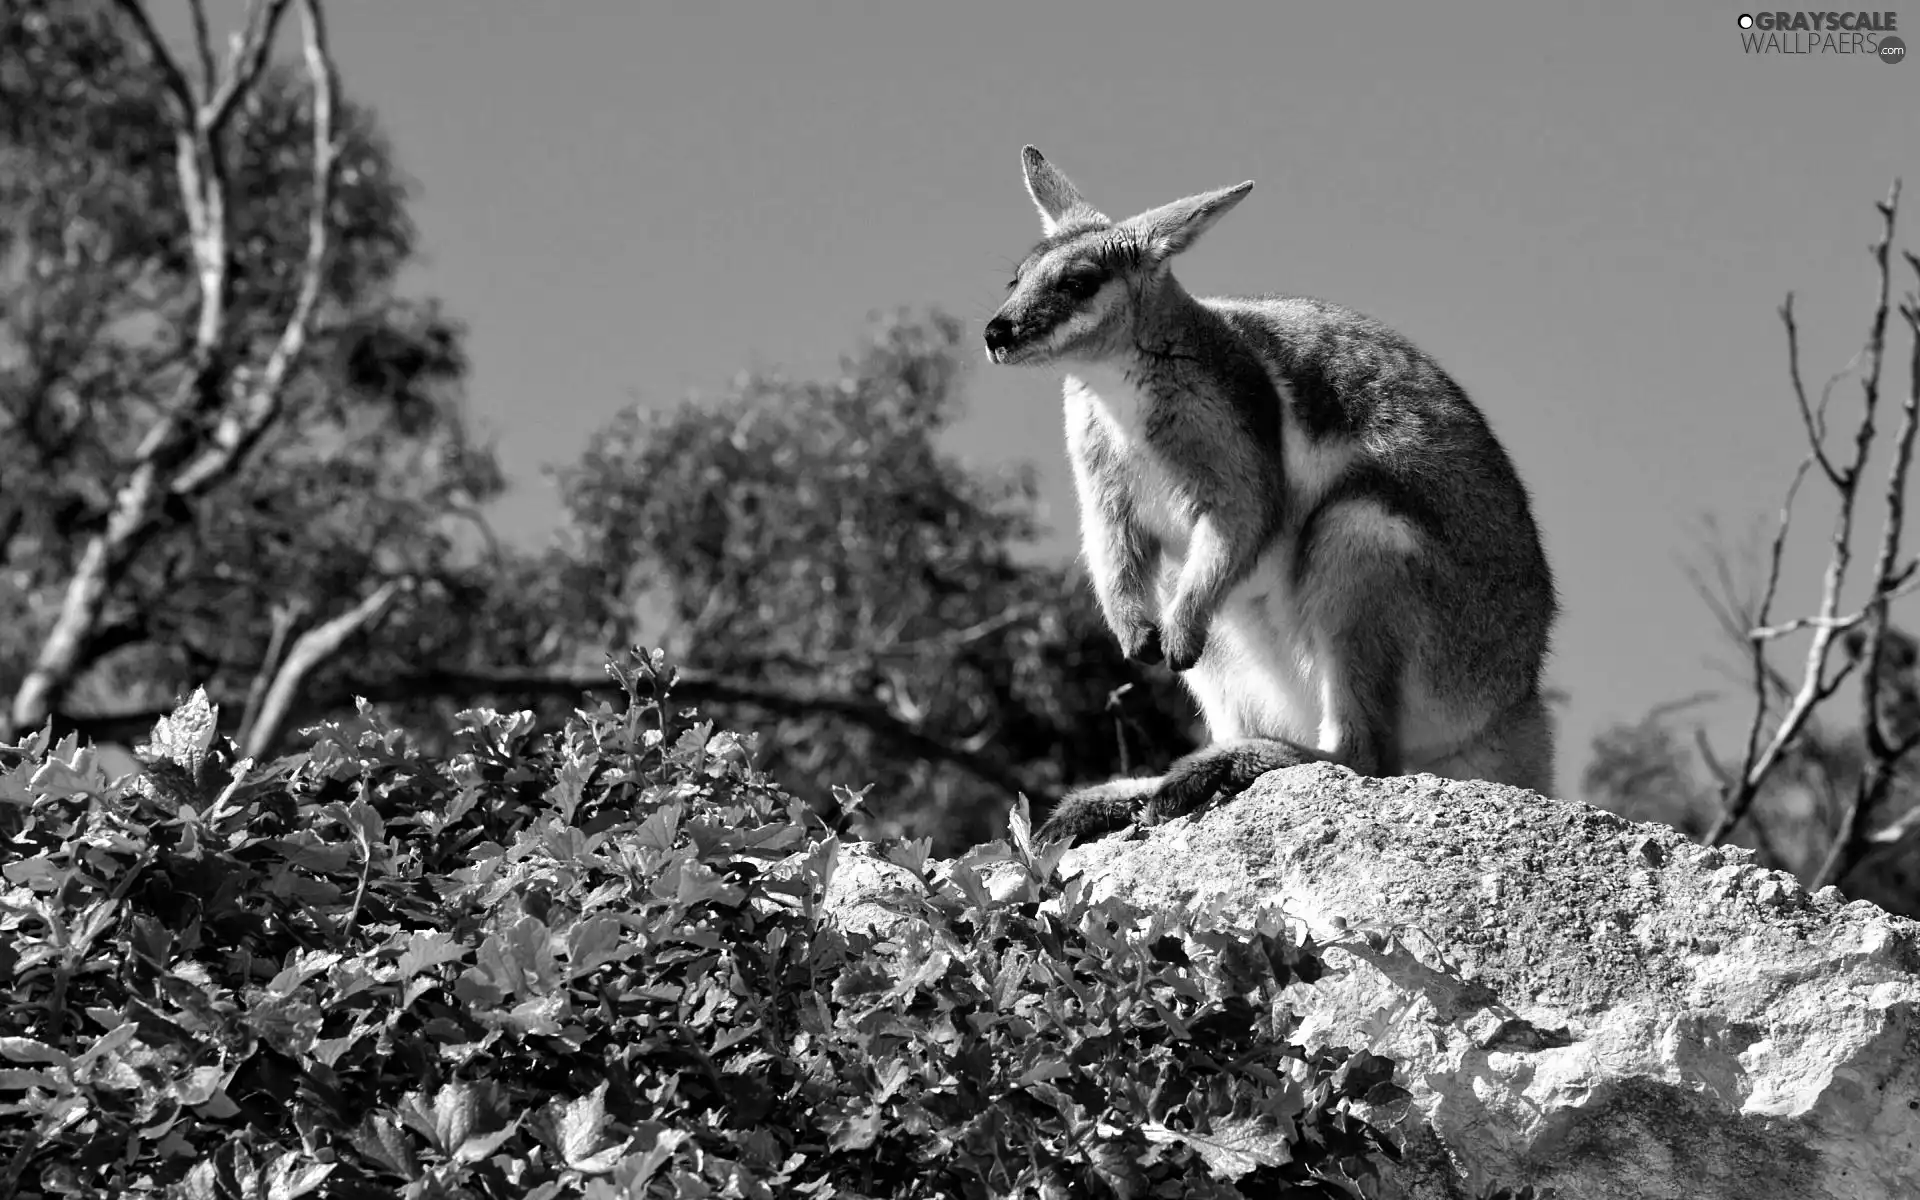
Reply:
x=999, y=333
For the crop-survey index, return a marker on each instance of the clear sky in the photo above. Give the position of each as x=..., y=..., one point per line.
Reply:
x=1589, y=213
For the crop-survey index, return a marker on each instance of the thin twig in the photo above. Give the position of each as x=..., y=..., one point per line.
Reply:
x=1814, y=687
x=203, y=47
x=366, y=871
x=1816, y=426
x=263, y=21
x=1738, y=797
x=178, y=91
x=310, y=650
x=1850, y=841
x=284, y=618
x=1900, y=583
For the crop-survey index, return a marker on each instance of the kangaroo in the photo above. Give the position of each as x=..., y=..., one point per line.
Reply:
x=1289, y=504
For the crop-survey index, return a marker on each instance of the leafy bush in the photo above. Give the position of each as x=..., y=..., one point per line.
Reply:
x=598, y=963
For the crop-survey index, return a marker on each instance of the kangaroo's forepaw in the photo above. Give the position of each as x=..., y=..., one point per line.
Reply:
x=1184, y=648
x=1141, y=643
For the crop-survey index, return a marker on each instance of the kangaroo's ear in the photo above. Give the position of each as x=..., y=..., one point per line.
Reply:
x=1171, y=228
x=1054, y=194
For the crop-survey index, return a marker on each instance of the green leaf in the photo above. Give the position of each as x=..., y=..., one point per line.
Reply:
x=530, y=947
x=594, y=942
x=582, y=1128
x=184, y=735
x=382, y=1140
x=77, y=776
x=699, y=884
x=202, y=1181
x=855, y=1132
x=39, y=872
x=301, y=966
x=638, y=1169
x=16, y=783
x=1235, y=1147
x=1118, y=1170
x=427, y=950
x=570, y=787
x=1361, y=1073
x=315, y=857
x=661, y=828
x=448, y=1119
x=288, y=1178
x=27, y=1050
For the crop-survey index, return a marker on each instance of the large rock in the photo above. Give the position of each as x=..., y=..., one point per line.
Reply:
x=1575, y=1001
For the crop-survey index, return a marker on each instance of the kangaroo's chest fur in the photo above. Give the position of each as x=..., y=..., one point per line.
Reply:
x=1153, y=450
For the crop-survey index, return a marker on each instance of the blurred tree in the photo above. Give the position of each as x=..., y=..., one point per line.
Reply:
x=811, y=537
x=220, y=428
x=232, y=455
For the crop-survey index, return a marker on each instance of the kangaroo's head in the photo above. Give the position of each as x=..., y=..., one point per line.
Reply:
x=1077, y=295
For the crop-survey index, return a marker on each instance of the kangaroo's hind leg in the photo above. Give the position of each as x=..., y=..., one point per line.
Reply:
x=1356, y=603
x=1223, y=769
x=1095, y=811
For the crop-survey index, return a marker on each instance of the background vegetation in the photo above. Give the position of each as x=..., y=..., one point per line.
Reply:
x=416, y=895
x=233, y=454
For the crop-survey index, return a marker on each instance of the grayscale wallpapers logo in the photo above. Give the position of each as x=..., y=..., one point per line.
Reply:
x=1854, y=34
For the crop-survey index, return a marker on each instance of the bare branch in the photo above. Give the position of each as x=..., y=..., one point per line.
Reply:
x=1739, y=797
x=1662, y=711
x=1735, y=611
x=203, y=47
x=1895, y=832
x=178, y=92
x=310, y=650
x=263, y=20
x=203, y=188
x=1902, y=582
x=1816, y=425
x=1814, y=686
x=242, y=426
x=1851, y=842
x=284, y=617
x=203, y=196
x=1883, y=569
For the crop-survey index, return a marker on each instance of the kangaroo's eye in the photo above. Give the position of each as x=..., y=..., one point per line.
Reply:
x=1080, y=287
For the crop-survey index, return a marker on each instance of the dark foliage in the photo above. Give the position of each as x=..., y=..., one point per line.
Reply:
x=596, y=963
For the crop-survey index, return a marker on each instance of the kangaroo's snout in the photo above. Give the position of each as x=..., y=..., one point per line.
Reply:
x=999, y=336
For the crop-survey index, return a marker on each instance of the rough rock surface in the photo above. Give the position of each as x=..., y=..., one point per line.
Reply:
x=1576, y=1001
